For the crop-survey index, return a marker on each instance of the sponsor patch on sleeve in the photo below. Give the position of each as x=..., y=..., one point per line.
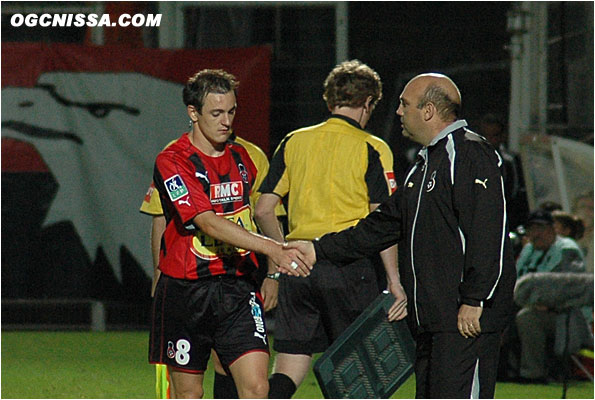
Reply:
x=390, y=177
x=149, y=193
x=176, y=188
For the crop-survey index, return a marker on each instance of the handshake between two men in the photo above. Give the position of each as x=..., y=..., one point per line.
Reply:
x=302, y=257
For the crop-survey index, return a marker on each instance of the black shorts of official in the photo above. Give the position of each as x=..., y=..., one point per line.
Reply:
x=448, y=366
x=189, y=317
x=312, y=312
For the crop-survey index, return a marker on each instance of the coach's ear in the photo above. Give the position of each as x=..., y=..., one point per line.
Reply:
x=429, y=110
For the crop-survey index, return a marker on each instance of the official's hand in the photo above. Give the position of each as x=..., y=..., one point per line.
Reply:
x=398, y=310
x=269, y=291
x=468, y=321
x=306, y=248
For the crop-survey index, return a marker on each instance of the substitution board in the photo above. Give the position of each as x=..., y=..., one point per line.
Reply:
x=371, y=359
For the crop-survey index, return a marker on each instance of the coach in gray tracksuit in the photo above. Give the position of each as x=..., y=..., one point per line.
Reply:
x=449, y=217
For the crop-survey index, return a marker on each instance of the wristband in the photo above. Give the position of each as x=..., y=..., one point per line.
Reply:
x=274, y=276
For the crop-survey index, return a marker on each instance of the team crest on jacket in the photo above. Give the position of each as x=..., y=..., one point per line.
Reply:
x=431, y=183
x=243, y=172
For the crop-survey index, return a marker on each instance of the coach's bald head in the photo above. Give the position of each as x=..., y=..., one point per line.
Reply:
x=429, y=103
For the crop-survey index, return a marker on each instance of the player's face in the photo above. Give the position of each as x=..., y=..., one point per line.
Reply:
x=216, y=117
x=411, y=116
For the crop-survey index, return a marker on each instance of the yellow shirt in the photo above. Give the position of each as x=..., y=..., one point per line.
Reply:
x=331, y=172
x=261, y=162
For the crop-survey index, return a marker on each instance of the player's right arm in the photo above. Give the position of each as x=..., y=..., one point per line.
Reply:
x=175, y=178
x=229, y=232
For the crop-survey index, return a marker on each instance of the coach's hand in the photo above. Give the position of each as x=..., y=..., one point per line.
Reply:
x=468, y=321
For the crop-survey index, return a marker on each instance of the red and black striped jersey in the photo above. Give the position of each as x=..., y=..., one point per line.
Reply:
x=189, y=183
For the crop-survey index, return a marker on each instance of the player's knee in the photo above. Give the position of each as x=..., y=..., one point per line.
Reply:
x=262, y=389
x=258, y=389
x=190, y=393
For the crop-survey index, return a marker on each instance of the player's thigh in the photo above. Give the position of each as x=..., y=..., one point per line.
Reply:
x=241, y=327
x=182, y=328
x=186, y=385
x=217, y=363
x=250, y=373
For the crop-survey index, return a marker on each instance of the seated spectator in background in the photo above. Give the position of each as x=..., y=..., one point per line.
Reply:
x=493, y=129
x=545, y=252
x=550, y=206
x=568, y=225
x=583, y=208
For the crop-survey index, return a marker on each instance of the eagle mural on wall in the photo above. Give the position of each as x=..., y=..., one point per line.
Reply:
x=78, y=150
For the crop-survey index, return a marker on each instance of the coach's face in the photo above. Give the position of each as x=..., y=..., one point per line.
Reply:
x=216, y=117
x=412, y=121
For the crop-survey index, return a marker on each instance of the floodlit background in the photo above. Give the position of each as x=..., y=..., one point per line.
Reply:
x=85, y=110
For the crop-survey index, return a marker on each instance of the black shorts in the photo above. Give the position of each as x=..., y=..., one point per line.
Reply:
x=191, y=317
x=312, y=312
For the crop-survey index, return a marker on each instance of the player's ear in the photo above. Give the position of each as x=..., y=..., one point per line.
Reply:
x=192, y=112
